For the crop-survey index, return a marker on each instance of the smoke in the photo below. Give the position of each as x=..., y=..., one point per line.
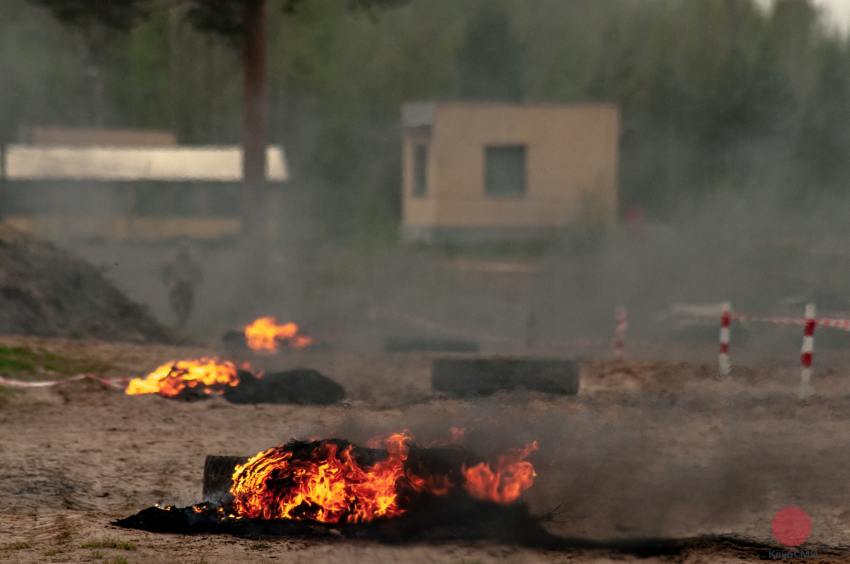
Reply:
x=728, y=213
x=683, y=454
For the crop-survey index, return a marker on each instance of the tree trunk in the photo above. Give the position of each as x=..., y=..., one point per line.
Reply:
x=2, y=177
x=254, y=119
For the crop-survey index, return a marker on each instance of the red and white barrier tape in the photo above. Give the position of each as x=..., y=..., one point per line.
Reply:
x=723, y=359
x=809, y=321
x=833, y=323
x=775, y=320
x=807, y=352
x=842, y=324
x=115, y=383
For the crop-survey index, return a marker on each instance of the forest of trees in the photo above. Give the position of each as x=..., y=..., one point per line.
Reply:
x=717, y=95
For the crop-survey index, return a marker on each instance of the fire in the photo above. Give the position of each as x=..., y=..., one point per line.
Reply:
x=328, y=486
x=324, y=481
x=512, y=476
x=436, y=484
x=209, y=374
x=265, y=335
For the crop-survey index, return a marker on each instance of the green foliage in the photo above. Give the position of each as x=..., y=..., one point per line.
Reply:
x=226, y=17
x=111, y=543
x=116, y=14
x=489, y=61
x=220, y=16
x=716, y=95
x=24, y=360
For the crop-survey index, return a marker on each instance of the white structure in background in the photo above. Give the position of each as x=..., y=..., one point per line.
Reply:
x=120, y=183
x=104, y=164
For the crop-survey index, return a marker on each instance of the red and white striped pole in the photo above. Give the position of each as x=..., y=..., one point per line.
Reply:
x=621, y=318
x=723, y=360
x=807, y=352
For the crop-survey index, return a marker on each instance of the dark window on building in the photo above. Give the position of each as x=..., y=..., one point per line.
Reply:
x=505, y=170
x=420, y=169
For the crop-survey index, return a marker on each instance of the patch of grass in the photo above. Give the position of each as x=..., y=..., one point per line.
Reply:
x=97, y=555
x=10, y=546
x=116, y=560
x=17, y=360
x=53, y=552
x=109, y=542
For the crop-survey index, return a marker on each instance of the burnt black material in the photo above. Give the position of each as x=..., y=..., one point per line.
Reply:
x=429, y=344
x=485, y=376
x=438, y=519
x=455, y=518
x=234, y=342
x=428, y=518
x=301, y=386
x=218, y=474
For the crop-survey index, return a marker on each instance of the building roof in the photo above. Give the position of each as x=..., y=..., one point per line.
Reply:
x=418, y=114
x=99, y=163
x=421, y=114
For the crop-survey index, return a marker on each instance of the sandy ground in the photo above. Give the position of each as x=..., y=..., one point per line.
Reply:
x=646, y=448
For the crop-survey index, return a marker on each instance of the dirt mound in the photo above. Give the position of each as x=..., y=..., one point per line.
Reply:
x=48, y=292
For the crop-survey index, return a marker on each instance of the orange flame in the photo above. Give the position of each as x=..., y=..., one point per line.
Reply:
x=322, y=481
x=512, y=476
x=209, y=374
x=265, y=335
x=436, y=484
x=329, y=487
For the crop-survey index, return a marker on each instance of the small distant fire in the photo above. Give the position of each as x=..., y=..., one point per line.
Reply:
x=266, y=335
x=329, y=482
x=209, y=376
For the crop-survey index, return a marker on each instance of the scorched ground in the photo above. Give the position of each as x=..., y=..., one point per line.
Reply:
x=648, y=449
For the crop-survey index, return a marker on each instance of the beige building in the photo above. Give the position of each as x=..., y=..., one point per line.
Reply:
x=483, y=171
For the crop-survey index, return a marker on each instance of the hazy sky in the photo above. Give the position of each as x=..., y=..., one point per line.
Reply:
x=839, y=10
